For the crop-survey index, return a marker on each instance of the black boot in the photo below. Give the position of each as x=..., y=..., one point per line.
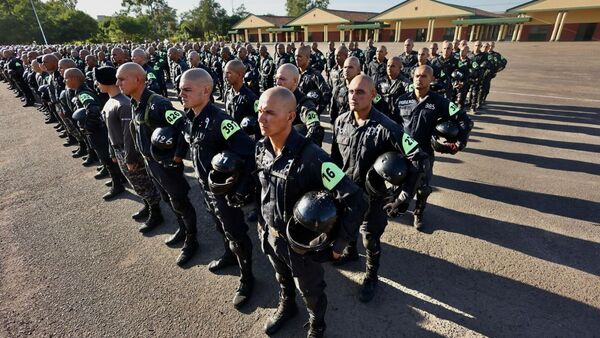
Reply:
x=286, y=310
x=418, y=212
x=178, y=236
x=63, y=134
x=102, y=174
x=90, y=160
x=190, y=246
x=369, y=283
x=350, y=254
x=154, y=220
x=143, y=213
x=71, y=141
x=243, y=251
x=226, y=260
x=117, y=185
x=316, y=306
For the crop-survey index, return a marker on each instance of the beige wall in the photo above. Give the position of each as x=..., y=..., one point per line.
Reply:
x=559, y=5
x=425, y=9
x=253, y=22
x=317, y=16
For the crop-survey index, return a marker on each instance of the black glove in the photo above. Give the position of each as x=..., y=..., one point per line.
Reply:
x=322, y=256
x=396, y=208
x=236, y=200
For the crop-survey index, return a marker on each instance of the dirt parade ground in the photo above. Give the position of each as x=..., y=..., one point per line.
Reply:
x=510, y=246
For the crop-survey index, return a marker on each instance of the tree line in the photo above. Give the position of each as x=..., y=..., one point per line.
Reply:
x=138, y=20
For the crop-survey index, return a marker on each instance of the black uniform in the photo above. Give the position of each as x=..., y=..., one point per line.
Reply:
x=177, y=68
x=418, y=119
x=154, y=111
x=339, y=101
x=377, y=70
x=209, y=133
x=300, y=168
x=480, y=69
x=307, y=117
x=241, y=104
x=445, y=67
x=155, y=80
x=408, y=61
x=312, y=80
x=267, y=72
x=330, y=63
x=462, y=88
x=357, y=52
x=355, y=148
x=336, y=76
x=317, y=60
x=390, y=90
x=370, y=54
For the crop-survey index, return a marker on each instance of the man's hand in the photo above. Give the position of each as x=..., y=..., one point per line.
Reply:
x=336, y=255
x=114, y=159
x=177, y=159
x=452, y=148
x=131, y=167
x=396, y=208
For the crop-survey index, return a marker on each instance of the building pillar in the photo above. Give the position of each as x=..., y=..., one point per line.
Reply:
x=430, y=29
x=351, y=33
x=500, y=30
x=472, y=34
x=305, y=33
x=325, y=33
x=398, y=29
x=271, y=37
x=293, y=36
x=376, y=35
x=556, y=24
x=260, y=35
x=246, y=35
x=342, y=35
x=560, y=28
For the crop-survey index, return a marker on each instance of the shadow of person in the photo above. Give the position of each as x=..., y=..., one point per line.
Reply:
x=576, y=129
x=547, y=109
x=552, y=247
x=593, y=148
x=554, y=163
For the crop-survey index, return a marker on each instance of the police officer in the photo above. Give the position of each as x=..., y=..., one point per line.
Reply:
x=283, y=57
x=154, y=79
x=330, y=59
x=288, y=167
x=462, y=83
x=118, y=56
x=376, y=69
x=498, y=63
x=358, y=53
x=87, y=103
x=418, y=112
x=117, y=115
x=226, y=56
x=446, y=64
x=149, y=112
x=480, y=68
x=307, y=118
x=178, y=66
x=15, y=71
x=433, y=50
x=339, y=100
x=317, y=59
x=408, y=57
x=364, y=127
x=336, y=73
x=251, y=76
x=210, y=131
x=311, y=79
x=240, y=100
x=391, y=86
x=267, y=69
x=370, y=54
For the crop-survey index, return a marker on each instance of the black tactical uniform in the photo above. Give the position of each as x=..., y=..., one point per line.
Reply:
x=408, y=61
x=480, y=69
x=339, y=101
x=306, y=115
x=357, y=52
x=317, y=60
x=330, y=63
x=285, y=58
x=355, y=148
x=177, y=69
x=300, y=168
x=445, y=67
x=312, y=80
x=463, y=87
x=154, y=111
x=419, y=120
x=155, y=80
x=377, y=70
x=16, y=71
x=209, y=133
x=267, y=72
x=241, y=104
x=336, y=76
x=390, y=90
x=370, y=54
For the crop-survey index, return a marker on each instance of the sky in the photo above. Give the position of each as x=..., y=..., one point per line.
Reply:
x=277, y=7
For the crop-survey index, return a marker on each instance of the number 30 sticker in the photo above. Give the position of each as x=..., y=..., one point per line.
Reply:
x=331, y=175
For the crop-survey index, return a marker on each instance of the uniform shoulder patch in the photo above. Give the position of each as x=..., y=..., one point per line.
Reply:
x=228, y=128
x=256, y=106
x=151, y=76
x=452, y=108
x=84, y=97
x=331, y=175
x=311, y=117
x=475, y=64
x=173, y=116
x=377, y=98
x=408, y=144
x=411, y=88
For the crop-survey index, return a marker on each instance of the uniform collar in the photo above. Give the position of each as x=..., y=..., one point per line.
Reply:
x=292, y=143
x=143, y=99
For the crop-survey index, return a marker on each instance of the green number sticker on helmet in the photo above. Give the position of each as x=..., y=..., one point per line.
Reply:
x=151, y=76
x=453, y=108
x=84, y=97
x=408, y=144
x=173, y=116
x=228, y=128
x=256, y=106
x=377, y=98
x=311, y=117
x=331, y=175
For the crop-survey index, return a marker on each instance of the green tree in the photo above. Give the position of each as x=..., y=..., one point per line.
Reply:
x=205, y=21
x=162, y=17
x=297, y=7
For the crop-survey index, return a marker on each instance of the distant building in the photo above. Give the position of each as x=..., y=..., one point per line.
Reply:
x=259, y=28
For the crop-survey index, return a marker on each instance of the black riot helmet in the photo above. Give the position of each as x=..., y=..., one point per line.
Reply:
x=445, y=132
x=389, y=167
x=227, y=167
x=163, y=142
x=301, y=129
x=314, y=95
x=79, y=115
x=457, y=75
x=249, y=125
x=314, y=222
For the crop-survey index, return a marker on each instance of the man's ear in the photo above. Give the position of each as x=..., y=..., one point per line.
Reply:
x=292, y=116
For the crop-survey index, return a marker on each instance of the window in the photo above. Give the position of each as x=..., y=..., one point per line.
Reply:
x=421, y=35
x=539, y=33
x=449, y=34
x=585, y=31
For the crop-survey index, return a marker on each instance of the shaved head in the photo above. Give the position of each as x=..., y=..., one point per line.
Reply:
x=281, y=96
x=74, y=73
x=196, y=87
x=276, y=113
x=236, y=66
x=288, y=76
x=132, y=69
x=66, y=63
x=131, y=79
x=198, y=76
